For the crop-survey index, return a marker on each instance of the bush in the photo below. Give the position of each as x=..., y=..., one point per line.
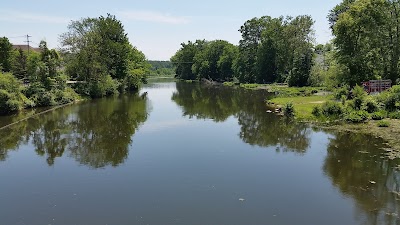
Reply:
x=370, y=105
x=104, y=87
x=383, y=123
x=378, y=115
x=44, y=98
x=66, y=96
x=288, y=109
x=331, y=108
x=11, y=97
x=359, y=92
x=316, y=111
x=343, y=91
x=357, y=116
x=357, y=103
x=390, y=103
x=9, y=102
x=394, y=115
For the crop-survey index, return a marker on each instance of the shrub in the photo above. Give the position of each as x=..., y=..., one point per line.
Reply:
x=44, y=98
x=288, y=109
x=357, y=103
x=390, y=103
x=383, y=123
x=357, y=116
x=343, y=91
x=11, y=97
x=66, y=96
x=316, y=111
x=370, y=105
x=394, y=115
x=343, y=100
x=331, y=108
x=9, y=102
x=359, y=92
x=378, y=115
x=104, y=87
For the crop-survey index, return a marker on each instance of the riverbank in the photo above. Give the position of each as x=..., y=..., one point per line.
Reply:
x=389, y=134
x=377, y=123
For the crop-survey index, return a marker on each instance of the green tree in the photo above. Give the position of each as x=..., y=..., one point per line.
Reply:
x=99, y=54
x=20, y=64
x=251, y=30
x=215, y=61
x=11, y=97
x=5, y=54
x=367, y=36
x=269, y=48
x=183, y=59
x=300, y=74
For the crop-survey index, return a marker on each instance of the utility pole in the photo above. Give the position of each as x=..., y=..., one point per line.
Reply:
x=27, y=41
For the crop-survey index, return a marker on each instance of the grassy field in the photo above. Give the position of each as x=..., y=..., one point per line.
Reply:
x=303, y=105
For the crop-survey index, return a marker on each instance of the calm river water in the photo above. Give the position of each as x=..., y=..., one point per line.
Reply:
x=179, y=153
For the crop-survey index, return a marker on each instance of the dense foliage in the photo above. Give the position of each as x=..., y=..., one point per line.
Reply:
x=96, y=55
x=100, y=56
x=161, y=68
x=271, y=50
x=367, y=37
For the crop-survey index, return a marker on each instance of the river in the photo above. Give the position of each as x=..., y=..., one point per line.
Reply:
x=183, y=153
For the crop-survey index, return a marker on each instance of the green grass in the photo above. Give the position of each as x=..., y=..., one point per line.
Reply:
x=303, y=105
x=229, y=84
x=383, y=123
x=252, y=86
x=284, y=91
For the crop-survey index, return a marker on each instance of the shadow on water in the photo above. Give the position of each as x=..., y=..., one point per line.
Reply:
x=257, y=127
x=291, y=189
x=96, y=134
x=356, y=165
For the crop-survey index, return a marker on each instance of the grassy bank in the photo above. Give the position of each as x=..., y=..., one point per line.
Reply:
x=389, y=134
x=303, y=105
x=342, y=110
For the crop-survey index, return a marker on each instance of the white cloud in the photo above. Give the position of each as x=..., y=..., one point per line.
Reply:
x=26, y=17
x=152, y=16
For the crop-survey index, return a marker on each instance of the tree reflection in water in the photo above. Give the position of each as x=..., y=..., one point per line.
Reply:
x=357, y=167
x=257, y=126
x=96, y=134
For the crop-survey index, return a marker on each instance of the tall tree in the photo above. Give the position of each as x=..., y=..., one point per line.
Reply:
x=183, y=59
x=19, y=66
x=365, y=39
x=5, y=54
x=269, y=48
x=215, y=61
x=98, y=52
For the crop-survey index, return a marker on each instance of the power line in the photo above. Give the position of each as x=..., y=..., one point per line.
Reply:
x=27, y=41
x=18, y=37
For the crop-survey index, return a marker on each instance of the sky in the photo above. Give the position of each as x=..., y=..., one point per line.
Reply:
x=156, y=27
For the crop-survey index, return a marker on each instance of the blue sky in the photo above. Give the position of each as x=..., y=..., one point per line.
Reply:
x=156, y=27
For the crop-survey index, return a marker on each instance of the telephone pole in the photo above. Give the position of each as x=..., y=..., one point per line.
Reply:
x=27, y=41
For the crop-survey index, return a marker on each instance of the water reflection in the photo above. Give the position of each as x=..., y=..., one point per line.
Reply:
x=96, y=134
x=356, y=166
x=257, y=127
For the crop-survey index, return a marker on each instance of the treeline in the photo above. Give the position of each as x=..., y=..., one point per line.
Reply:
x=271, y=50
x=366, y=46
x=367, y=40
x=161, y=68
x=95, y=55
